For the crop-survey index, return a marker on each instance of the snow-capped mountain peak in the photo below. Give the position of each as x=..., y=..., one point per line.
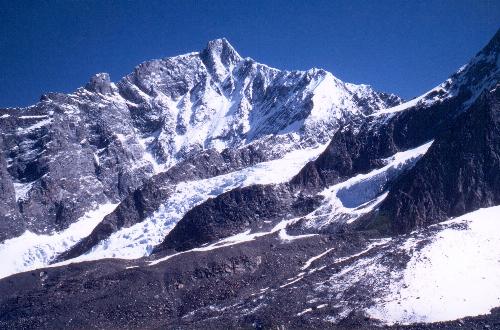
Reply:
x=217, y=99
x=162, y=113
x=220, y=57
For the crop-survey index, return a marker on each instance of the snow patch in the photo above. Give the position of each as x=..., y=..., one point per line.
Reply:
x=311, y=260
x=30, y=251
x=22, y=190
x=455, y=276
x=33, y=117
x=283, y=235
x=35, y=126
x=307, y=310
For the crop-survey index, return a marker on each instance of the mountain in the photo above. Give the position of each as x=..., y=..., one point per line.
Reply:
x=70, y=153
x=208, y=190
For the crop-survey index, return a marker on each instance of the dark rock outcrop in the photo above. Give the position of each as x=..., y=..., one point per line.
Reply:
x=100, y=83
x=253, y=207
x=10, y=221
x=459, y=174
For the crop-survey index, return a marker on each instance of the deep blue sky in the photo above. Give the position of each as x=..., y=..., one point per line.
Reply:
x=405, y=47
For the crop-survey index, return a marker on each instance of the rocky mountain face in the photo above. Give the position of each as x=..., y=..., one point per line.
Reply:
x=208, y=190
x=460, y=173
x=69, y=153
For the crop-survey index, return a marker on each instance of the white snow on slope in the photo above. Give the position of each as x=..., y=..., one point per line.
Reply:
x=33, y=117
x=22, y=190
x=309, y=262
x=400, y=107
x=363, y=192
x=149, y=157
x=138, y=240
x=30, y=251
x=455, y=276
x=35, y=126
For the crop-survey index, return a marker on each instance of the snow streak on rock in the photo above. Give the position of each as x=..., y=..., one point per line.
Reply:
x=358, y=195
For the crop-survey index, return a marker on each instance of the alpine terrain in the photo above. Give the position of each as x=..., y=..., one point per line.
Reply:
x=208, y=190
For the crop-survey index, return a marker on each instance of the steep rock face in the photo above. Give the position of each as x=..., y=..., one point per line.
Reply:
x=346, y=155
x=459, y=174
x=9, y=213
x=65, y=155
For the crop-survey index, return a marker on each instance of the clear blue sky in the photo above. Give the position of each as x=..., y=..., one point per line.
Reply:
x=405, y=47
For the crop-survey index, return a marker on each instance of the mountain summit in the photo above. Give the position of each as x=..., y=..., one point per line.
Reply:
x=219, y=54
x=112, y=137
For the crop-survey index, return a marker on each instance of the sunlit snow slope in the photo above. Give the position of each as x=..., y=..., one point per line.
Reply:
x=454, y=276
x=31, y=251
